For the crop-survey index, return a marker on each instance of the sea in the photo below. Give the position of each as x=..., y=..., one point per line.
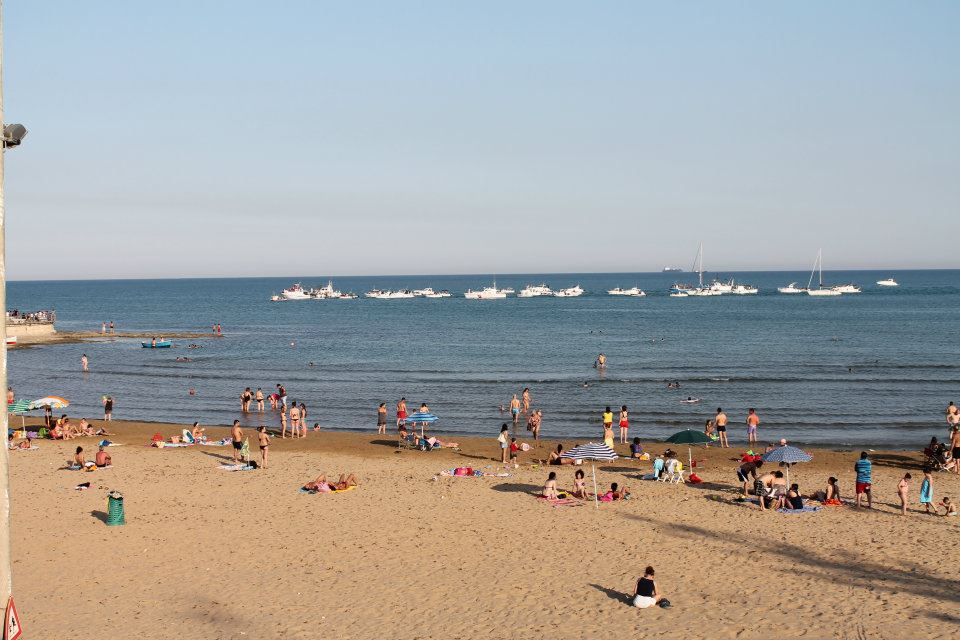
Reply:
x=874, y=369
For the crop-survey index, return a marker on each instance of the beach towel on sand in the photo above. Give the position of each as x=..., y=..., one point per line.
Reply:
x=332, y=490
x=236, y=467
x=30, y=448
x=473, y=473
x=804, y=510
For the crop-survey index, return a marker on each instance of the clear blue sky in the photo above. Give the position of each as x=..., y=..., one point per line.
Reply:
x=287, y=138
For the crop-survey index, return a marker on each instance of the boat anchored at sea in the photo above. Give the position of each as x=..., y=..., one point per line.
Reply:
x=820, y=291
x=570, y=292
x=487, y=293
x=889, y=282
x=535, y=291
x=635, y=292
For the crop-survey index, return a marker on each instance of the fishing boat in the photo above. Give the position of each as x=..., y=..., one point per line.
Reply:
x=791, y=288
x=487, y=293
x=889, y=282
x=569, y=292
x=159, y=344
x=535, y=290
x=744, y=290
x=373, y=293
x=821, y=291
x=437, y=294
x=296, y=292
x=635, y=292
x=329, y=293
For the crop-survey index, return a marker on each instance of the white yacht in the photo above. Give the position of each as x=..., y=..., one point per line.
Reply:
x=635, y=292
x=329, y=293
x=699, y=291
x=680, y=294
x=570, y=292
x=487, y=293
x=373, y=293
x=423, y=293
x=847, y=288
x=744, y=290
x=437, y=294
x=722, y=287
x=535, y=290
x=821, y=291
x=399, y=293
x=791, y=288
x=889, y=282
x=296, y=292
x=508, y=290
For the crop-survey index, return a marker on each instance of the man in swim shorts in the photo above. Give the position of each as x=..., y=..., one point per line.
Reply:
x=237, y=435
x=720, y=421
x=515, y=410
x=753, y=421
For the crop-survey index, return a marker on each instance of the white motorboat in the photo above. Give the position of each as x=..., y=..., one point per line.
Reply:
x=679, y=294
x=569, y=292
x=722, y=287
x=635, y=292
x=744, y=290
x=821, y=291
x=437, y=294
x=535, y=290
x=398, y=294
x=329, y=293
x=487, y=293
x=703, y=292
x=791, y=288
x=373, y=293
x=423, y=293
x=889, y=282
x=508, y=290
x=296, y=292
x=277, y=298
x=847, y=288
x=700, y=291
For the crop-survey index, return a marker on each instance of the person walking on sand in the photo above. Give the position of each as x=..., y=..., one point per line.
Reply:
x=107, y=408
x=646, y=594
x=237, y=436
x=401, y=412
x=504, y=440
x=926, y=491
x=294, y=420
x=84, y=362
x=903, y=492
x=720, y=422
x=864, y=470
x=264, y=438
x=382, y=418
x=624, y=424
x=753, y=421
x=515, y=410
x=259, y=398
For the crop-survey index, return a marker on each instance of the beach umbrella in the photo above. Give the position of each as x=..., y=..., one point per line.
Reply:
x=19, y=408
x=54, y=402
x=592, y=451
x=423, y=419
x=787, y=455
x=689, y=437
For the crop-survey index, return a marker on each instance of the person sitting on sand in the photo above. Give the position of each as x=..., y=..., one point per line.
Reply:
x=556, y=459
x=778, y=491
x=56, y=433
x=78, y=459
x=579, y=485
x=830, y=496
x=636, y=449
x=198, y=433
x=615, y=493
x=321, y=484
x=646, y=594
x=658, y=465
x=550, y=486
x=949, y=509
x=794, y=501
x=103, y=459
x=12, y=446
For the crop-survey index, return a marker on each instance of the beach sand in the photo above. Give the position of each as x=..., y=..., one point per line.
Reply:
x=74, y=337
x=207, y=553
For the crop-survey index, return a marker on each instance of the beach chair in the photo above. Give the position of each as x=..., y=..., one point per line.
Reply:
x=673, y=474
x=934, y=457
x=405, y=443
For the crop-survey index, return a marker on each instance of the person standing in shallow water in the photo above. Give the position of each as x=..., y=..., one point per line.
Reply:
x=515, y=410
x=382, y=418
x=720, y=422
x=753, y=421
x=84, y=362
x=526, y=399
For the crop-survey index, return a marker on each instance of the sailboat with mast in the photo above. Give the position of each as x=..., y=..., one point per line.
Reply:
x=701, y=290
x=821, y=290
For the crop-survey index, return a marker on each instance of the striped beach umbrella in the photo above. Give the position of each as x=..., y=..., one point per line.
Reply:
x=54, y=402
x=423, y=419
x=592, y=451
x=787, y=455
x=19, y=408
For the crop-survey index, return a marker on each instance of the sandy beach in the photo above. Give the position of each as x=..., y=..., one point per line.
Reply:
x=208, y=553
x=75, y=337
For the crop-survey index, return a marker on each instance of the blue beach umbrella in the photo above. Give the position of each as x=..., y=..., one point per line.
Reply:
x=592, y=451
x=787, y=455
x=422, y=419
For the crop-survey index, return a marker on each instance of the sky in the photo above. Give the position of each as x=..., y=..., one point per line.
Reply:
x=204, y=139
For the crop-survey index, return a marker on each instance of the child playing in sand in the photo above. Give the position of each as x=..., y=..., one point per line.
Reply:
x=264, y=438
x=926, y=491
x=948, y=507
x=903, y=492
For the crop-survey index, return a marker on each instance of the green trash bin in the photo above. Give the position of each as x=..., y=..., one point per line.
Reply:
x=115, y=509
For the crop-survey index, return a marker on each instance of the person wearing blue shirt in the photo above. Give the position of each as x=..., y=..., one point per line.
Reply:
x=864, y=470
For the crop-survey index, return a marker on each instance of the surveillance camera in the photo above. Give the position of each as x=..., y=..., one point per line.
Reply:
x=13, y=135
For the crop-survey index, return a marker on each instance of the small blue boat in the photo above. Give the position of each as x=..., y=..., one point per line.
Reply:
x=160, y=344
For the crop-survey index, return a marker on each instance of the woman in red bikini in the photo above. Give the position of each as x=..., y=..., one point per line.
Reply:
x=624, y=424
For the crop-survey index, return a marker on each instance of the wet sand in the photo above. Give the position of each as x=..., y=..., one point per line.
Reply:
x=208, y=553
x=74, y=337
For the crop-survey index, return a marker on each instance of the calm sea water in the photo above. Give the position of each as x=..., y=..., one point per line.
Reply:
x=874, y=369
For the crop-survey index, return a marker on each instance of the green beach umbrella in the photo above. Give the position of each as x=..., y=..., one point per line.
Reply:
x=689, y=437
x=19, y=408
